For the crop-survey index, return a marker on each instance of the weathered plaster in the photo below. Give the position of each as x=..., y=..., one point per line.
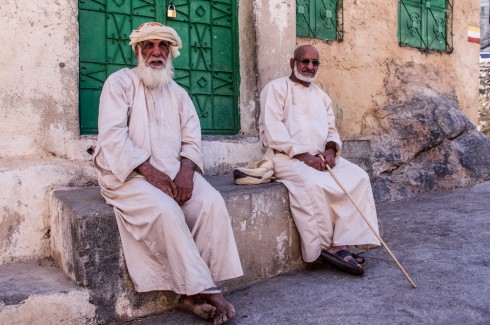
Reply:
x=24, y=203
x=275, y=38
x=221, y=155
x=248, y=67
x=70, y=308
x=39, y=75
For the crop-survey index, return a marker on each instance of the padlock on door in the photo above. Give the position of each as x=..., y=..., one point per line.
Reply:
x=171, y=12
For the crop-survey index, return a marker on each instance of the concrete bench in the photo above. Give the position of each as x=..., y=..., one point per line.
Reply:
x=85, y=243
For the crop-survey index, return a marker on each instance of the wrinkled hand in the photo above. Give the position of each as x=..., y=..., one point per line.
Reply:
x=329, y=156
x=312, y=161
x=184, y=181
x=158, y=179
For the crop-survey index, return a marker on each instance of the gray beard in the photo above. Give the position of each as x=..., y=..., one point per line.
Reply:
x=299, y=76
x=153, y=78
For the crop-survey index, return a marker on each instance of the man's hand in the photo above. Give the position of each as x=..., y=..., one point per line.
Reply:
x=329, y=156
x=157, y=178
x=184, y=181
x=312, y=161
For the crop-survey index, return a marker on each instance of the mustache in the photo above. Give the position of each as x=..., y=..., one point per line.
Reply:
x=156, y=60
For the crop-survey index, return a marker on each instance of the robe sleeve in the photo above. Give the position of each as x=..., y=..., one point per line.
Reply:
x=275, y=132
x=191, y=133
x=333, y=134
x=121, y=154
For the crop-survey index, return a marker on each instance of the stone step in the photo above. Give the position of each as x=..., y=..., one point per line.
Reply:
x=85, y=243
x=38, y=292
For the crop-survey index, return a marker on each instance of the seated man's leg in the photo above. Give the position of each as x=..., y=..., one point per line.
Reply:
x=208, y=219
x=307, y=199
x=159, y=249
x=350, y=227
x=210, y=224
x=325, y=217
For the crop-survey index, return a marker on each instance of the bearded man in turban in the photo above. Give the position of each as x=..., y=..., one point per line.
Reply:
x=175, y=230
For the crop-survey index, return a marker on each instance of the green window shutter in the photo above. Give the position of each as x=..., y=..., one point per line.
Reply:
x=425, y=24
x=207, y=68
x=319, y=19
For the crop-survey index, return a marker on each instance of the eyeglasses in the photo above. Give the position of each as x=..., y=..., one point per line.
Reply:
x=315, y=63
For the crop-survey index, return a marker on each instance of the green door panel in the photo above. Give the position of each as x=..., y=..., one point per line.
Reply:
x=207, y=67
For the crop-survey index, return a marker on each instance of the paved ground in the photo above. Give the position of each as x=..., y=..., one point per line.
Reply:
x=441, y=239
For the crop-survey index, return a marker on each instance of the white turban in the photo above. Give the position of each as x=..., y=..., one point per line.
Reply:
x=154, y=30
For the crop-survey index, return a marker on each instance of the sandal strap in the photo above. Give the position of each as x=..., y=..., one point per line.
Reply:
x=343, y=253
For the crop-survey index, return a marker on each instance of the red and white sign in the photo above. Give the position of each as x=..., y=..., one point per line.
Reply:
x=474, y=34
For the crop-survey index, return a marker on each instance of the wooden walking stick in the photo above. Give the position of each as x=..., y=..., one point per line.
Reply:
x=362, y=215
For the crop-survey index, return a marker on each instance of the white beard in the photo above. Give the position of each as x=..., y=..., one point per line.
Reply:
x=299, y=76
x=153, y=78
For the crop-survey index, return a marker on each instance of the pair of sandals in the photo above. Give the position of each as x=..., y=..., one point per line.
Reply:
x=351, y=266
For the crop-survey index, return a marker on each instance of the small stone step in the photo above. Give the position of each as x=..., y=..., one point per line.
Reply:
x=38, y=292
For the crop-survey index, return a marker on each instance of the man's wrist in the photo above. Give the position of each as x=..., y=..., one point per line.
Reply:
x=143, y=167
x=300, y=156
x=332, y=146
x=187, y=164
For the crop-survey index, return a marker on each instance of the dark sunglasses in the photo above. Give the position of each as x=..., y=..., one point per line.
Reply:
x=315, y=63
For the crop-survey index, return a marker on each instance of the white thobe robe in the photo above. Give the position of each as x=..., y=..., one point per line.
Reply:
x=185, y=248
x=296, y=119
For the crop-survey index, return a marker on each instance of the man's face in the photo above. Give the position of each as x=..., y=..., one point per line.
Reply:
x=154, y=53
x=307, y=62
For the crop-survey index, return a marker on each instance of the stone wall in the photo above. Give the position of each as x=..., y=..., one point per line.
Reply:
x=484, y=109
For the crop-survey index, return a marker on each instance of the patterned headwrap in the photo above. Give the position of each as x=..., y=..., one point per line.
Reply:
x=154, y=30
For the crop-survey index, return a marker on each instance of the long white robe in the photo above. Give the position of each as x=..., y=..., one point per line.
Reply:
x=185, y=248
x=296, y=119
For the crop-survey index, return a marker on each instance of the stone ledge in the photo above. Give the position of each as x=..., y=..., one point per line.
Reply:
x=85, y=243
x=30, y=287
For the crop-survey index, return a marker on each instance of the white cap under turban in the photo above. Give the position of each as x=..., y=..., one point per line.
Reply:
x=154, y=30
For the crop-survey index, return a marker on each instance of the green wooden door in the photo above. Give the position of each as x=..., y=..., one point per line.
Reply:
x=207, y=67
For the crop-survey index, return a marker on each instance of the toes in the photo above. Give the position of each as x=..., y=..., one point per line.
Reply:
x=212, y=312
x=231, y=313
x=221, y=319
x=207, y=308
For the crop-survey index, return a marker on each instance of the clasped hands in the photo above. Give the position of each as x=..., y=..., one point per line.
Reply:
x=317, y=162
x=180, y=189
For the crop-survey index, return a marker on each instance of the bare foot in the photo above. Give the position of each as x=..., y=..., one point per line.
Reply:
x=224, y=310
x=195, y=304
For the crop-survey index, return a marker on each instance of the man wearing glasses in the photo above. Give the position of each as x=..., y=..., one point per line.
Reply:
x=297, y=129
